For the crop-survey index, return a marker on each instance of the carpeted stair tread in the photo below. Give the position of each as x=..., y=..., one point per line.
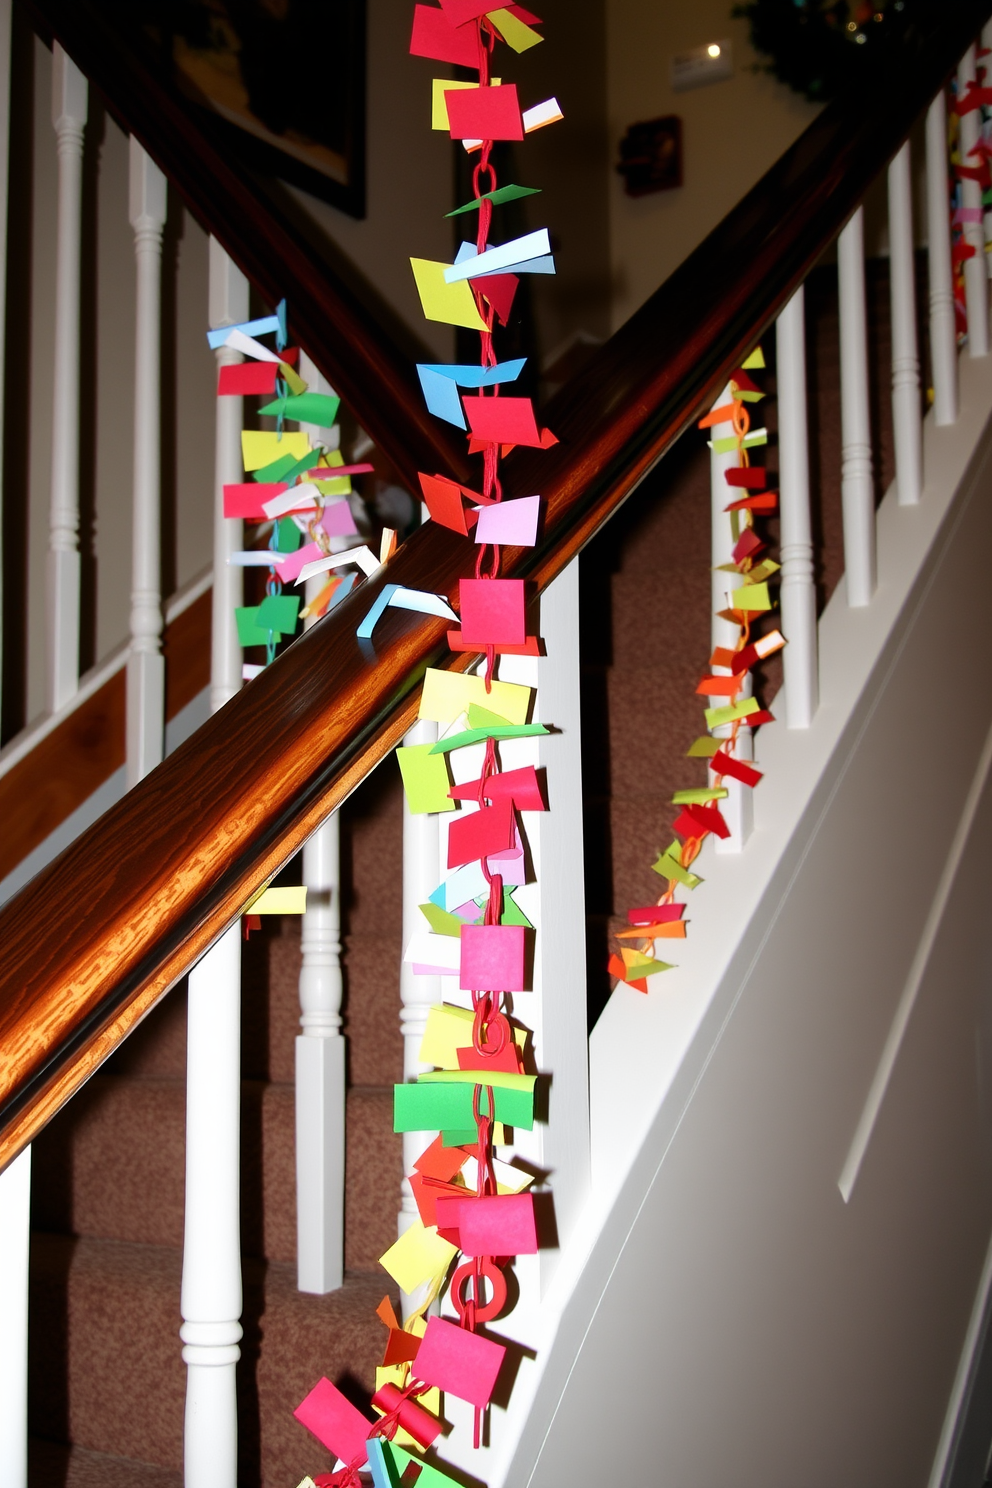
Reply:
x=112, y=1309
x=53, y=1465
x=112, y=1166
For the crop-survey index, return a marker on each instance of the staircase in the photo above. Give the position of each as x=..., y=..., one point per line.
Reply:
x=107, y=1380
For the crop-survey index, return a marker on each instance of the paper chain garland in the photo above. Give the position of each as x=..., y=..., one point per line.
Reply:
x=728, y=678
x=976, y=168
x=470, y=1203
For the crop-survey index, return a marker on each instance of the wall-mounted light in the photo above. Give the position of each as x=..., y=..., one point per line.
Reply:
x=712, y=63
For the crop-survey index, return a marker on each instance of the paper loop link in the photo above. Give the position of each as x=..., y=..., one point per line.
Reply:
x=474, y=1271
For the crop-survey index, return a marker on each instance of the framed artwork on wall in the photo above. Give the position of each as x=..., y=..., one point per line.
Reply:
x=283, y=79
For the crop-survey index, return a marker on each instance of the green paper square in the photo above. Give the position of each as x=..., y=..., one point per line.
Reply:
x=288, y=535
x=250, y=633
x=279, y=612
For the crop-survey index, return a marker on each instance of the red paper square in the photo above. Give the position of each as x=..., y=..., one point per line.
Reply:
x=502, y=420
x=440, y=1162
x=492, y=611
x=434, y=36
x=492, y=958
x=477, y=834
x=458, y=12
x=444, y=502
x=246, y=499
x=335, y=1422
x=247, y=378
x=497, y=1225
x=484, y=113
x=499, y=290
x=459, y=1362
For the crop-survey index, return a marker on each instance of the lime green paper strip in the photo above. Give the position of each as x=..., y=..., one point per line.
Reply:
x=668, y=866
x=472, y=736
x=700, y=796
x=716, y=717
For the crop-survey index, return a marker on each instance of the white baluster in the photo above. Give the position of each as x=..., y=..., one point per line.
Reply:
x=976, y=279
x=906, y=419
x=228, y=305
x=211, y=1289
x=737, y=809
x=798, y=594
x=943, y=330
x=857, y=488
x=421, y=875
x=320, y=1048
x=15, y=1205
x=145, y=662
x=69, y=102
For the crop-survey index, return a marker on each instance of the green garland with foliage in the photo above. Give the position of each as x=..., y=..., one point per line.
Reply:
x=821, y=47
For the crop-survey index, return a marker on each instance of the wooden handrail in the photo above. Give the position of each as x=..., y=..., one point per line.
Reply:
x=93, y=942
x=344, y=335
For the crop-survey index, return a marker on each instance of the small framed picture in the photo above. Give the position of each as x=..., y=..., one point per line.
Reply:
x=284, y=81
x=651, y=156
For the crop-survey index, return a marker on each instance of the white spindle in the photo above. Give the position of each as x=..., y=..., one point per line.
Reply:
x=976, y=279
x=211, y=1288
x=422, y=871
x=737, y=809
x=906, y=419
x=943, y=331
x=320, y=1048
x=15, y=1204
x=228, y=305
x=857, y=488
x=145, y=663
x=798, y=594
x=69, y=103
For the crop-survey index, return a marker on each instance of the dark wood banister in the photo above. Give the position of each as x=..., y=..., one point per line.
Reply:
x=102, y=933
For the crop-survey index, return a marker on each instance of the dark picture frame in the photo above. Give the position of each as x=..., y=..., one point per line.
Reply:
x=279, y=82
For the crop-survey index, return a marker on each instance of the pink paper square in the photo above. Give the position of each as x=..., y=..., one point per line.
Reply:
x=510, y=523
x=337, y=520
x=492, y=958
x=335, y=1422
x=497, y=1225
x=492, y=611
x=459, y=1362
x=289, y=568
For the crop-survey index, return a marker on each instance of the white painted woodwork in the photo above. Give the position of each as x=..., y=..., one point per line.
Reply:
x=738, y=808
x=907, y=421
x=69, y=107
x=857, y=486
x=228, y=305
x=798, y=593
x=555, y=1010
x=976, y=279
x=723, y=1105
x=146, y=664
x=320, y=1048
x=211, y=1287
x=422, y=872
x=943, y=331
x=5, y=19
x=15, y=1206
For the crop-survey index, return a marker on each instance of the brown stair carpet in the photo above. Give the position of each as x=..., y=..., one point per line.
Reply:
x=107, y=1379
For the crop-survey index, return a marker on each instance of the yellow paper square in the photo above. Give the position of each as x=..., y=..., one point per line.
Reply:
x=259, y=447
x=448, y=1030
x=447, y=694
x=452, y=304
x=418, y=1255
x=280, y=901
x=439, y=109
x=515, y=33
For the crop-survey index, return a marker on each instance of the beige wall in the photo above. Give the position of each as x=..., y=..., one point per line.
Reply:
x=732, y=132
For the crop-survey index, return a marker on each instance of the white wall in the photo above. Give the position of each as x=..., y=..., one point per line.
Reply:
x=732, y=132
